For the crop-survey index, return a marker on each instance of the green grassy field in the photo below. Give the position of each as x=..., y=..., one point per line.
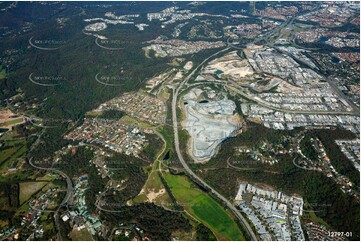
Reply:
x=10, y=152
x=4, y=202
x=204, y=208
x=310, y=215
x=7, y=156
x=29, y=188
x=2, y=73
x=82, y=235
x=8, y=135
x=140, y=199
x=11, y=122
x=7, y=153
x=154, y=184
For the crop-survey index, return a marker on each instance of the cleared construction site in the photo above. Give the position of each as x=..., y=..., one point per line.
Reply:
x=209, y=123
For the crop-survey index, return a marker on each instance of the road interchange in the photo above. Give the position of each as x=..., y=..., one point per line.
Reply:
x=187, y=169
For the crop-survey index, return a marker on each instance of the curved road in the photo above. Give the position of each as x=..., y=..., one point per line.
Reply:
x=185, y=165
x=69, y=190
x=261, y=102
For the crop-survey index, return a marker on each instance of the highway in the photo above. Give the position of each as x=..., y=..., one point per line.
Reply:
x=69, y=192
x=331, y=82
x=196, y=178
x=264, y=104
x=176, y=136
x=266, y=37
